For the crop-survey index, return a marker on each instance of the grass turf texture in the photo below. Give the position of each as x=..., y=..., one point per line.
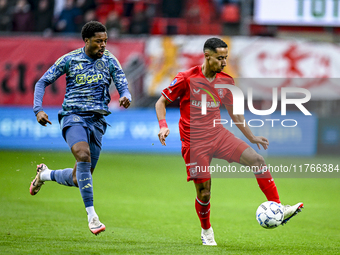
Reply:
x=148, y=208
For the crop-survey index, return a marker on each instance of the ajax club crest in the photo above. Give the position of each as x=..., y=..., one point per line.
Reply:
x=100, y=65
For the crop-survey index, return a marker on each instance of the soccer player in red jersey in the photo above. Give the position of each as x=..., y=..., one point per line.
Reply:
x=202, y=140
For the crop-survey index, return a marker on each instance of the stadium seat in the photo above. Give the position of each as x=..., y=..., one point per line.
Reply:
x=230, y=13
x=163, y=26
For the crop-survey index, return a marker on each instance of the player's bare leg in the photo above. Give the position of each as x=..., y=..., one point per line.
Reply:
x=266, y=183
x=202, y=205
x=264, y=178
x=203, y=190
x=250, y=157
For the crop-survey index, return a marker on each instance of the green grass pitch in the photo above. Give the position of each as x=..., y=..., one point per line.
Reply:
x=148, y=208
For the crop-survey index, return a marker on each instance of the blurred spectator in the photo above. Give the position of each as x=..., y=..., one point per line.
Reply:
x=22, y=17
x=200, y=11
x=128, y=7
x=231, y=1
x=113, y=24
x=5, y=16
x=59, y=6
x=218, y=5
x=139, y=23
x=88, y=10
x=44, y=15
x=192, y=13
x=70, y=18
x=86, y=5
x=172, y=8
x=88, y=16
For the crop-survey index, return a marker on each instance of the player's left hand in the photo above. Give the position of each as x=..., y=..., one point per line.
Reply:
x=260, y=140
x=124, y=101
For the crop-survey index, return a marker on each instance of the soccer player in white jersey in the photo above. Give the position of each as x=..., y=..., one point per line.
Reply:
x=89, y=72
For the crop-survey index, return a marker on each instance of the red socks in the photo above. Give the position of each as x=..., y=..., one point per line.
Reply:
x=203, y=212
x=267, y=185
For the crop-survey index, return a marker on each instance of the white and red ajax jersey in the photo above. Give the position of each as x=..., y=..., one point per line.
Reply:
x=189, y=86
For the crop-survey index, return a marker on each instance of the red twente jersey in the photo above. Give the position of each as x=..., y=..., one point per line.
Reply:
x=189, y=86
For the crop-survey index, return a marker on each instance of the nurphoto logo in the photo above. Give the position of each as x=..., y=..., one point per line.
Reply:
x=238, y=102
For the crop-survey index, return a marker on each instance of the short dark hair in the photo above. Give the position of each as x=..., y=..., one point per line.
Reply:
x=213, y=43
x=92, y=27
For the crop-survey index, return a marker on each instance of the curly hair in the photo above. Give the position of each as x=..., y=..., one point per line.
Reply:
x=92, y=27
x=213, y=43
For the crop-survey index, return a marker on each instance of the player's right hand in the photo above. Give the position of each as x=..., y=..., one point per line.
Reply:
x=42, y=118
x=163, y=133
x=260, y=140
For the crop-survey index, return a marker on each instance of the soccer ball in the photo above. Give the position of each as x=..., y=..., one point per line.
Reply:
x=269, y=214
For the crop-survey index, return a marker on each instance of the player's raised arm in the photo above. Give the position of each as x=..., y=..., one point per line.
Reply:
x=161, y=112
x=242, y=125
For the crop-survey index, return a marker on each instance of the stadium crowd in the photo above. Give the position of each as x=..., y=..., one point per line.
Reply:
x=119, y=16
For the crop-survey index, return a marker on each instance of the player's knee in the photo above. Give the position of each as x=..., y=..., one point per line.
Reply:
x=258, y=160
x=204, y=195
x=81, y=152
x=82, y=155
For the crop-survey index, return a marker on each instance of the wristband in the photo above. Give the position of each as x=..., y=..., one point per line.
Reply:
x=162, y=123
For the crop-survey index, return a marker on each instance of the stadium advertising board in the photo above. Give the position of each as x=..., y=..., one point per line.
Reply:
x=297, y=12
x=329, y=136
x=254, y=62
x=272, y=58
x=169, y=55
x=25, y=59
x=136, y=131
x=128, y=130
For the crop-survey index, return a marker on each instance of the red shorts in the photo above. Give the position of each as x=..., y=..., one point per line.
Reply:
x=226, y=146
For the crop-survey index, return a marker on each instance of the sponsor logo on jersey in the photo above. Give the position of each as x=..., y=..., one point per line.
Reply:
x=83, y=78
x=79, y=67
x=173, y=82
x=196, y=91
x=209, y=104
x=211, y=95
x=100, y=65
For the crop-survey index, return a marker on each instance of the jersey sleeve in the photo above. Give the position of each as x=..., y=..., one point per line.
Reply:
x=176, y=88
x=52, y=74
x=119, y=78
